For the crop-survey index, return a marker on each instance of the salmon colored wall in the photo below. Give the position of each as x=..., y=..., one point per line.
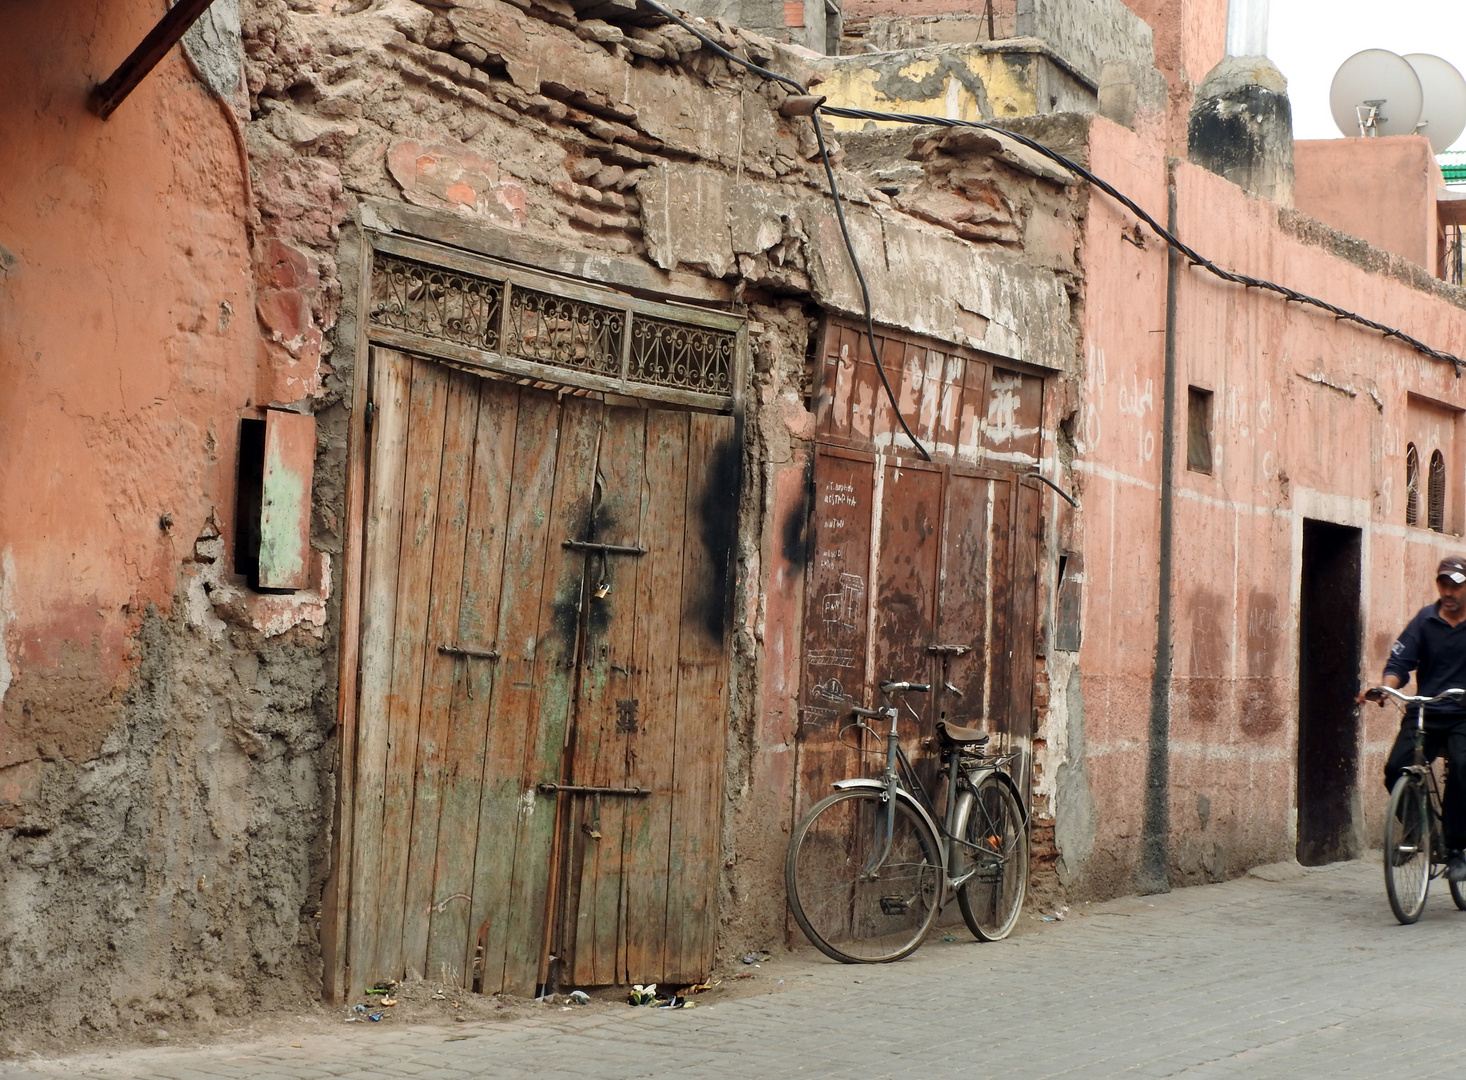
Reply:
x=1309, y=420
x=1380, y=190
x=1118, y=473
x=129, y=348
x=1190, y=39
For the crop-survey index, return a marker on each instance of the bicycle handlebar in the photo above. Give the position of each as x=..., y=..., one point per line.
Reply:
x=1455, y=694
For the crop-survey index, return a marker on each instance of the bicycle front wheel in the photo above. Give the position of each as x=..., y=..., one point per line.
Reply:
x=858, y=899
x=1407, y=848
x=992, y=896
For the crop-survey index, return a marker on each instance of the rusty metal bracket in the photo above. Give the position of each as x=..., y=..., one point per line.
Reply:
x=547, y=788
x=469, y=651
x=106, y=96
x=948, y=650
x=604, y=549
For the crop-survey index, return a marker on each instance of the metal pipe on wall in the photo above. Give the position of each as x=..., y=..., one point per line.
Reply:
x=1247, y=27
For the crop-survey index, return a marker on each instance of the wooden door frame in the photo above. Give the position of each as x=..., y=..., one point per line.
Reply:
x=444, y=242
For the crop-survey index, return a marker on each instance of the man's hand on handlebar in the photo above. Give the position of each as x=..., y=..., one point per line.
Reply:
x=1376, y=694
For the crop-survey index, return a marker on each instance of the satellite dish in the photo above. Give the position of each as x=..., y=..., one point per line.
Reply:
x=1377, y=92
x=1444, y=114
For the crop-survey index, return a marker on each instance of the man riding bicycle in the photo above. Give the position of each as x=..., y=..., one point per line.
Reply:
x=1433, y=646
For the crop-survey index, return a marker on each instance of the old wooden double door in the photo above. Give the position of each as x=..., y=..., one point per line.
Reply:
x=542, y=685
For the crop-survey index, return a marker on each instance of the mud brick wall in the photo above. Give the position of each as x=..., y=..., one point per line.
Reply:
x=165, y=820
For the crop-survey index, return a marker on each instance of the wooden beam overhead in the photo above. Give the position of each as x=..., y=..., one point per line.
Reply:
x=106, y=96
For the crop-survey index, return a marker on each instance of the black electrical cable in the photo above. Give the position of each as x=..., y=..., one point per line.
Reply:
x=1191, y=255
x=870, y=333
x=870, y=329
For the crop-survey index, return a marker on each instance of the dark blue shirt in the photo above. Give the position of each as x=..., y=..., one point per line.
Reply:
x=1436, y=651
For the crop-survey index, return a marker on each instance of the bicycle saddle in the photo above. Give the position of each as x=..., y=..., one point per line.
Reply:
x=960, y=736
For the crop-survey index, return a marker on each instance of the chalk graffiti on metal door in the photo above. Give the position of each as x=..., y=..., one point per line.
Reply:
x=543, y=685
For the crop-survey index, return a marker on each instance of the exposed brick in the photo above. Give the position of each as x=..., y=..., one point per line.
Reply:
x=607, y=176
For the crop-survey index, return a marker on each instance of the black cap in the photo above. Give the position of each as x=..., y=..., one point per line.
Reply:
x=1453, y=569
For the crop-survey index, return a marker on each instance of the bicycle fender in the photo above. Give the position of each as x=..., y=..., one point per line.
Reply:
x=902, y=794
x=1012, y=786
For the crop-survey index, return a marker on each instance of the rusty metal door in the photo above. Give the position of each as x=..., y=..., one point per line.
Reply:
x=493, y=676
x=953, y=567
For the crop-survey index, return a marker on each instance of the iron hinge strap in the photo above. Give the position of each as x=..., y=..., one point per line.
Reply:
x=547, y=788
x=605, y=549
x=468, y=650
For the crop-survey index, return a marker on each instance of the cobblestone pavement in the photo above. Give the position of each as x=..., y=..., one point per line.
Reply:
x=1307, y=975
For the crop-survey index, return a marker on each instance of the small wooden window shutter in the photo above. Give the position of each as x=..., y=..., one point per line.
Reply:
x=285, y=507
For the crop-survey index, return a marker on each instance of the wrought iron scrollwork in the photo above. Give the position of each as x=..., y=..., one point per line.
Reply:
x=567, y=333
x=516, y=321
x=436, y=303
x=687, y=357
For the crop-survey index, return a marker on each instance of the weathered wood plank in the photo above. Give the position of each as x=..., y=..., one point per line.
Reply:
x=962, y=603
x=553, y=688
x=427, y=411
x=440, y=671
x=601, y=746
x=1000, y=605
x=906, y=590
x=973, y=411
x=714, y=460
x=530, y=487
x=452, y=936
x=515, y=246
x=654, y=666
x=837, y=601
x=392, y=389
x=1024, y=627
x=337, y=894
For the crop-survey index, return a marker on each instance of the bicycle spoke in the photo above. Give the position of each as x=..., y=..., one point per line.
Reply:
x=864, y=878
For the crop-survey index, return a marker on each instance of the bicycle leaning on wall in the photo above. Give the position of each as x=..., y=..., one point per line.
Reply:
x=869, y=867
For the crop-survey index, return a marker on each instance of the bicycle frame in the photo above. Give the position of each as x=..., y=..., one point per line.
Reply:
x=1420, y=766
x=899, y=781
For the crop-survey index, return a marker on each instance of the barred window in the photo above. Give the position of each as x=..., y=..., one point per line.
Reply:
x=1412, y=485
x=1436, y=494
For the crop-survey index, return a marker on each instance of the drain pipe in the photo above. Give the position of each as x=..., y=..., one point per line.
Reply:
x=1153, y=875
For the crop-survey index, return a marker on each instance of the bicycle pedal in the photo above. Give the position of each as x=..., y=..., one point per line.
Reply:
x=895, y=905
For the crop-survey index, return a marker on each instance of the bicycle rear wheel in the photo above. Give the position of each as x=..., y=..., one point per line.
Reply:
x=1407, y=848
x=852, y=904
x=993, y=896
x=1457, y=895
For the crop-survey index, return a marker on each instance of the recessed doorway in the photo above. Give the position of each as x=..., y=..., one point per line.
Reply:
x=1328, y=679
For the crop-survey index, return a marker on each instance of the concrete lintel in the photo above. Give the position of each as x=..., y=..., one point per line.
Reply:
x=512, y=245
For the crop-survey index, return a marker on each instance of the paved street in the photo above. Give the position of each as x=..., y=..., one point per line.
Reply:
x=1308, y=976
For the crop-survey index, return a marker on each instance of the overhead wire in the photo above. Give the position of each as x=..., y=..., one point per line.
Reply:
x=1192, y=256
x=870, y=333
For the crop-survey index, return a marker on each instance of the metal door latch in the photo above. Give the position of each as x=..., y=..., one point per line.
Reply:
x=547, y=788
x=469, y=651
x=604, y=549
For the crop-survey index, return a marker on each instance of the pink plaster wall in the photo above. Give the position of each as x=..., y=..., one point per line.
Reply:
x=129, y=348
x=1286, y=447
x=1190, y=38
x=1380, y=190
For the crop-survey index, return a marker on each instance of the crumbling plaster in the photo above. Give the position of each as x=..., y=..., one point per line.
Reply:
x=167, y=784
x=628, y=156
x=164, y=740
